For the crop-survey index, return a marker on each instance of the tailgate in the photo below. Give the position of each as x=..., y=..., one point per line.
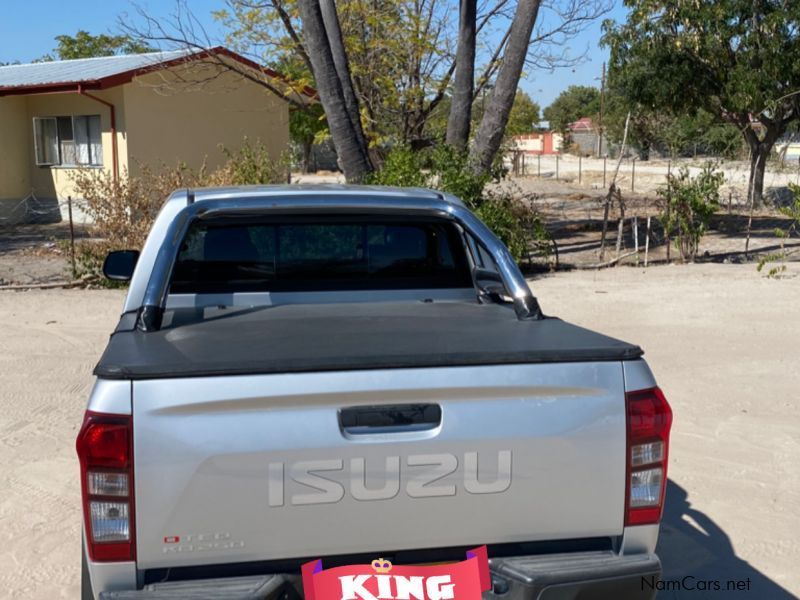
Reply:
x=248, y=468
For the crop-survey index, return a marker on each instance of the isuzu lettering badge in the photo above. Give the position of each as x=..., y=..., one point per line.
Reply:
x=422, y=476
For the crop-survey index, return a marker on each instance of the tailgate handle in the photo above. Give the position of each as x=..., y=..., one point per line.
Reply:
x=386, y=418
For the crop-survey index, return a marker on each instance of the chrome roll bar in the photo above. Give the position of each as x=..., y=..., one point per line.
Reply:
x=229, y=203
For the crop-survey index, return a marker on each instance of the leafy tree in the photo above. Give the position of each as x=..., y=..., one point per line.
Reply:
x=399, y=58
x=736, y=59
x=306, y=126
x=524, y=115
x=85, y=45
x=575, y=102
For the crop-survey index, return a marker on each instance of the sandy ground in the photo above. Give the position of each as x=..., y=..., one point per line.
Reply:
x=722, y=340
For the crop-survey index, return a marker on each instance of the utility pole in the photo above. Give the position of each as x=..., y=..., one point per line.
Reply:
x=602, y=102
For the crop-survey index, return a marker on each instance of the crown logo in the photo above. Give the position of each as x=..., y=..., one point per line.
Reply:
x=381, y=565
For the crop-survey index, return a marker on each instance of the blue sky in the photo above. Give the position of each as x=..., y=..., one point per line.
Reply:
x=28, y=29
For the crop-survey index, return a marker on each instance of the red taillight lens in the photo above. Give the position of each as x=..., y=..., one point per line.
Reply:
x=649, y=419
x=105, y=450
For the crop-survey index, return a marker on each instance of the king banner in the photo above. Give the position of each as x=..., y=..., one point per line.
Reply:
x=380, y=580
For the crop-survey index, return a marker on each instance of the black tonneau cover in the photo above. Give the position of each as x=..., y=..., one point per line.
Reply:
x=352, y=336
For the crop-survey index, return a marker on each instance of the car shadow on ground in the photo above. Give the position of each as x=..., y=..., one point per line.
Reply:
x=694, y=550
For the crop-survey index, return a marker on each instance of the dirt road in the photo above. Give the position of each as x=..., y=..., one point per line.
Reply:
x=722, y=341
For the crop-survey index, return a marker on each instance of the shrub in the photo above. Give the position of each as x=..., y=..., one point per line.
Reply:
x=453, y=175
x=123, y=211
x=250, y=165
x=777, y=260
x=689, y=204
x=402, y=167
x=448, y=170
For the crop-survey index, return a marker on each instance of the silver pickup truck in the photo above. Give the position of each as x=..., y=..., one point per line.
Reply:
x=341, y=372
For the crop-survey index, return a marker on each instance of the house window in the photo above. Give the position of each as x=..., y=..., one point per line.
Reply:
x=68, y=141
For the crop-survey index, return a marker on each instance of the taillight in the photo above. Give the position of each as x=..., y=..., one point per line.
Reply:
x=649, y=418
x=105, y=450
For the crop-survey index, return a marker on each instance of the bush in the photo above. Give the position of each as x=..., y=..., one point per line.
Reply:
x=689, y=204
x=402, y=167
x=123, y=211
x=777, y=260
x=447, y=170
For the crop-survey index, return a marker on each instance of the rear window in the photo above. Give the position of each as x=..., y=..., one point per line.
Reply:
x=320, y=256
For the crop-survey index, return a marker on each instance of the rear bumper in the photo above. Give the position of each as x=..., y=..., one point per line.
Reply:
x=572, y=576
x=575, y=576
x=230, y=588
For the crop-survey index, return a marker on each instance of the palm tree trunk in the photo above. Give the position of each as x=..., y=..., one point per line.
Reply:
x=493, y=125
x=334, y=32
x=458, y=122
x=348, y=140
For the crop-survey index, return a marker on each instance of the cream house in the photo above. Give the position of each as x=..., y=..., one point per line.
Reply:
x=118, y=112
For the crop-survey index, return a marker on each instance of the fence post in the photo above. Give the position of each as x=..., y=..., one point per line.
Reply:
x=636, y=237
x=633, y=172
x=71, y=236
x=557, y=157
x=580, y=169
x=646, y=242
x=669, y=206
x=605, y=159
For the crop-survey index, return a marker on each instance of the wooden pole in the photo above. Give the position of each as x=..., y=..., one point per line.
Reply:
x=636, y=237
x=646, y=242
x=538, y=165
x=613, y=188
x=605, y=159
x=633, y=172
x=71, y=235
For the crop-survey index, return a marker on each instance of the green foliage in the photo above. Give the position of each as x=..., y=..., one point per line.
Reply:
x=85, y=45
x=442, y=168
x=575, y=102
x=250, y=165
x=689, y=204
x=734, y=59
x=509, y=221
x=454, y=175
x=307, y=125
x=396, y=49
x=793, y=212
x=402, y=167
x=448, y=170
x=728, y=56
x=524, y=115
x=674, y=134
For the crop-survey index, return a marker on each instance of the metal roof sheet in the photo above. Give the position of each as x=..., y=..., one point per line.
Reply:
x=82, y=69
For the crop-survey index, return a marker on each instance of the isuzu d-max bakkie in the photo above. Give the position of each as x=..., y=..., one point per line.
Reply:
x=345, y=373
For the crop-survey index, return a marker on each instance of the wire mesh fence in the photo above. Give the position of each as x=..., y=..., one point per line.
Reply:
x=646, y=177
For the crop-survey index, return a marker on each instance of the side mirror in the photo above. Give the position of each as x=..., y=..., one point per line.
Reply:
x=489, y=284
x=486, y=275
x=119, y=264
